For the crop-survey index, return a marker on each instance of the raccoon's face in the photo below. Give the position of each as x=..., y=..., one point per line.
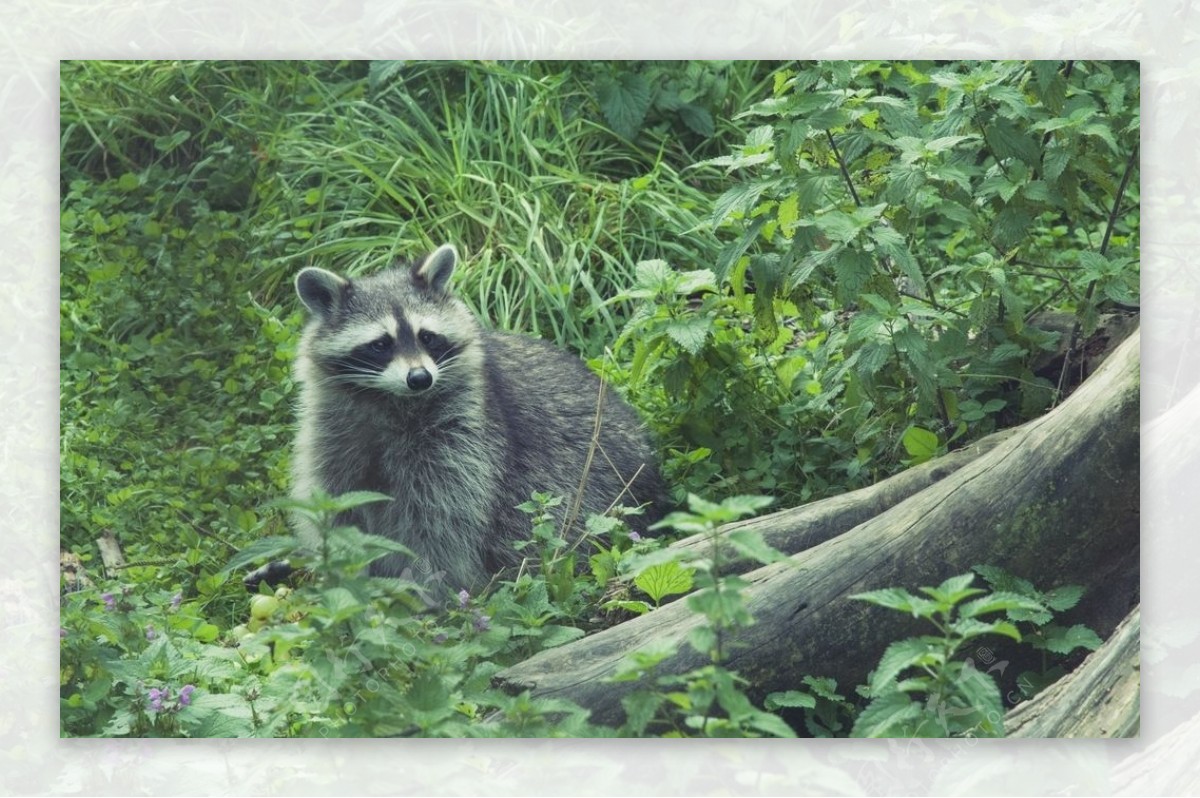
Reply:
x=400, y=331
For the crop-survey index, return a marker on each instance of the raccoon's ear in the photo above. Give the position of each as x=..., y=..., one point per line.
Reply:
x=435, y=270
x=320, y=290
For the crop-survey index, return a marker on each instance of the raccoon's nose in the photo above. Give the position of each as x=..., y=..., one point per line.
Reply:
x=419, y=379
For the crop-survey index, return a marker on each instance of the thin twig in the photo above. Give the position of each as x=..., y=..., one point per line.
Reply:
x=845, y=173
x=577, y=504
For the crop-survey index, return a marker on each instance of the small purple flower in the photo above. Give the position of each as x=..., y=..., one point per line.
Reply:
x=440, y=637
x=150, y=633
x=635, y=537
x=185, y=694
x=176, y=600
x=482, y=622
x=156, y=698
x=463, y=598
x=61, y=633
x=110, y=602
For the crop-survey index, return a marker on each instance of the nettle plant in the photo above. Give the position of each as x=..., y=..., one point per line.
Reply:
x=892, y=235
x=708, y=701
x=920, y=688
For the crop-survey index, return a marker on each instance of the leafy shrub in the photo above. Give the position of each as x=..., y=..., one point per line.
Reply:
x=892, y=233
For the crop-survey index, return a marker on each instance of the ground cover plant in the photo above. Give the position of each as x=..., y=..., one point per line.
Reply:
x=806, y=276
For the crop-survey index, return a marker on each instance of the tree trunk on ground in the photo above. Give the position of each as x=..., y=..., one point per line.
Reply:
x=1055, y=503
x=1101, y=698
x=799, y=528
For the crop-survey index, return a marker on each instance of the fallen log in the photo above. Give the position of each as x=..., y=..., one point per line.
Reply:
x=1101, y=698
x=1055, y=503
x=799, y=528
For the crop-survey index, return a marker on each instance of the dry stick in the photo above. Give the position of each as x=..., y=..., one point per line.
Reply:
x=1091, y=289
x=577, y=503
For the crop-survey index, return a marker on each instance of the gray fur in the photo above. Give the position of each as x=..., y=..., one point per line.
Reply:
x=504, y=416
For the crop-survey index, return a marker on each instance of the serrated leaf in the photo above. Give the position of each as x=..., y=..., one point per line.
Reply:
x=697, y=119
x=969, y=628
x=1061, y=599
x=788, y=214
x=690, y=332
x=1064, y=641
x=1054, y=161
x=1010, y=141
x=838, y=226
x=890, y=715
x=382, y=72
x=999, y=602
x=636, y=607
x=665, y=579
x=1002, y=581
x=954, y=589
x=790, y=698
x=738, y=199
x=340, y=602
x=640, y=708
x=624, y=101
x=853, y=270
x=428, y=692
x=695, y=281
x=823, y=687
x=749, y=543
x=895, y=598
x=984, y=714
x=655, y=275
x=899, y=656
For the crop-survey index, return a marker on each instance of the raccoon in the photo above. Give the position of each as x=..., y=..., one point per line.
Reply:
x=403, y=392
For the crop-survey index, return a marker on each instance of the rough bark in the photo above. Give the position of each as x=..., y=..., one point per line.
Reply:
x=799, y=528
x=1101, y=698
x=1055, y=503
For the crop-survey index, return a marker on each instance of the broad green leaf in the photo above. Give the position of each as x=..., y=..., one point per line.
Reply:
x=690, y=332
x=1008, y=140
x=1063, y=598
x=823, y=687
x=953, y=590
x=999, y=602
x=428, y=693
x=890, y=715
x=920, y=443
x=968, y=628
x=738, y=199
x=788, y=214
x=1064, y=641
x=899, y=656
x=695, y=281
x=665, y=579
x=983, y=714
x=640, y=708
x=697, y=119
x=749, y=543
x=624, y=100
x=896, y=598
x=790, y=698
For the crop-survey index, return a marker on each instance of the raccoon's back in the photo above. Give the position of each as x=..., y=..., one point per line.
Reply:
x=542, y=403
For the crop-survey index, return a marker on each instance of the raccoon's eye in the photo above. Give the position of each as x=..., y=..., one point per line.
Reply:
x=380, y=344
x=428, y=338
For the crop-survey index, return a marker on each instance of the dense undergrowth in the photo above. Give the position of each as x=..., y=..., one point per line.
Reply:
x=805, y=276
